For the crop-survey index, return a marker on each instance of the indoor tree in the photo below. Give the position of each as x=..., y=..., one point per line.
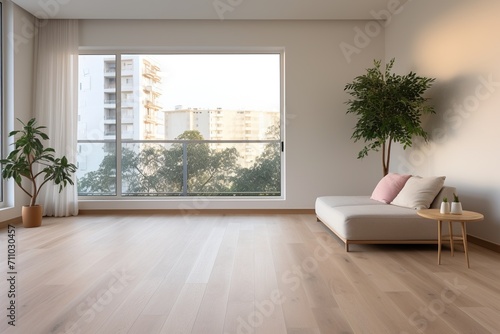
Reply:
x=389, y=109
x=32, y=161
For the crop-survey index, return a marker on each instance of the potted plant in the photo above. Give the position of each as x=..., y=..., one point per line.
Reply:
x=445, y=206
x=32, y=161
x=456, y=206
x=389, y=108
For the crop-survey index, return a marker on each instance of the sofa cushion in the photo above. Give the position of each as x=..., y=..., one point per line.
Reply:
x=376, y=222
x=389, y=187
x=336, y=201
x=419, y=192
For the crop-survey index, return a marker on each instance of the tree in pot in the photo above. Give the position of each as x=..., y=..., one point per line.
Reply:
x=389, y=108
x=32, y=161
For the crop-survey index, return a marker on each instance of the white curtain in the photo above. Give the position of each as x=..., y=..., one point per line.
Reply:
x=56, y=102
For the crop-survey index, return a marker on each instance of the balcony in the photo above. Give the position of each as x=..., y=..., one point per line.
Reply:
x=140, y=178
x=109, y=88
x=151, y=105
x=109, y=103
x=110, y=119
x=110, y=72
x=152, y=75
x=150, y=119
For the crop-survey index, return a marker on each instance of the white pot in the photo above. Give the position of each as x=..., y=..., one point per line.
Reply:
x=456, y=208
x=445, y=208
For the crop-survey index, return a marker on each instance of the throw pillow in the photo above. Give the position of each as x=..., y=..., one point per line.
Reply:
x=388, y=187
x=419, y=192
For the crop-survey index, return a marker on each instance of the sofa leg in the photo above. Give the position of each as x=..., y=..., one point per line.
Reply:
x=347, y=247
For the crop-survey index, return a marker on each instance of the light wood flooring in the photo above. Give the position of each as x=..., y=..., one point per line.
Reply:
x=238, y=274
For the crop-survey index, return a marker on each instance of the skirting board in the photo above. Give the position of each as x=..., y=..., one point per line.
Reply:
x=14, y=221
x=483, y=243
x=198, y=212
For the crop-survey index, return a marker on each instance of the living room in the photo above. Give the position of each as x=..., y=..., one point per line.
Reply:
x=452, y=41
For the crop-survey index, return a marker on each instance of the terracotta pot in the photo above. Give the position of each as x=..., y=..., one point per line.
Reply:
x=32, y=215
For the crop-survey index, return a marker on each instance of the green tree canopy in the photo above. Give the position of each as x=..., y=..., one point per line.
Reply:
x=264, y=177
x=389, y=109
x=155, y=169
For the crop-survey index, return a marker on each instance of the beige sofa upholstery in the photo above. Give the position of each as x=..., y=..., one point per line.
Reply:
x=361, y=220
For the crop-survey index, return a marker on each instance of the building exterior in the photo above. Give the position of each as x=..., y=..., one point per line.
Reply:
x=142, y=117
x=220, y=124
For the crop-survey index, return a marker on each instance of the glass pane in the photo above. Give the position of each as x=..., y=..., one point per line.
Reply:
x=97, y=125
x=97, y=97
x=223, y=96
x=152, y=169
x=213, y=169
x=239, y=169
x=96, y=172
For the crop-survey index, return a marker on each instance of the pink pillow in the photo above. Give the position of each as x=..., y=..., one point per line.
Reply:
x=389, y=187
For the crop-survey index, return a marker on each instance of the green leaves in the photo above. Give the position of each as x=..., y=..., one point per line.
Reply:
x=158, y=170
x=388, y=108
x=28, y=154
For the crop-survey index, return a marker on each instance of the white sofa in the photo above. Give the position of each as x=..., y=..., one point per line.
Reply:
x=361, y=220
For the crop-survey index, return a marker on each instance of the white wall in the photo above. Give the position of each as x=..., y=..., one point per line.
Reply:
x=18, y=53
x=456, y=41
x=320, y=156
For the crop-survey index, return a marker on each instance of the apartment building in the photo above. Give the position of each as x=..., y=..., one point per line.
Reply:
x=141, y=116
x=226, y=125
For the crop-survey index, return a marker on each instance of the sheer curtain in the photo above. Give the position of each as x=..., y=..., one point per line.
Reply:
x=56, y=102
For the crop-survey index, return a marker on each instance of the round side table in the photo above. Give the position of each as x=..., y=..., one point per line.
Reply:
x=465, y=217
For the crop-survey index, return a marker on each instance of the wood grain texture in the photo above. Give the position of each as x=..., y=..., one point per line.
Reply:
x=237, y=273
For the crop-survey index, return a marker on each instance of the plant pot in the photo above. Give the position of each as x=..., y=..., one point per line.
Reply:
x=32, y=215
x=456, y=208
x=445, y=208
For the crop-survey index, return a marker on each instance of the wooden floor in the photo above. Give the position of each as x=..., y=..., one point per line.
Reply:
x=238, y=274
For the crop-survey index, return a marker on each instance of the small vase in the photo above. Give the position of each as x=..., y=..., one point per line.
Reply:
x=456, y=208
x=445, y=208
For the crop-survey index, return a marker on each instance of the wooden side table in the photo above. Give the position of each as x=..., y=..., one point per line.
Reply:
x=465, y=217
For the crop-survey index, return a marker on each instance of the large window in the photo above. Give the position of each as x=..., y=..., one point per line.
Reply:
x=180, y=125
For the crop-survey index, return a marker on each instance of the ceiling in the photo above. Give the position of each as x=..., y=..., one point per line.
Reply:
x=206, y=9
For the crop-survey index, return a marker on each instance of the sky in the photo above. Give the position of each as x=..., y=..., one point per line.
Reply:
x=227, y=81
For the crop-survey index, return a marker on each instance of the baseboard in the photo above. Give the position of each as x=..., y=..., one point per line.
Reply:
x=484, y=243
x=13, y=221
x=198, y=212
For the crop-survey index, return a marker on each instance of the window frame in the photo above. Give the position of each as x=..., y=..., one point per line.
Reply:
x=119, y=141
x=3, y=132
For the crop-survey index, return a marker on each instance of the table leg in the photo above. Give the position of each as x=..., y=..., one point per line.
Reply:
x=464, y=237
x=439, y=241
x=450, y=227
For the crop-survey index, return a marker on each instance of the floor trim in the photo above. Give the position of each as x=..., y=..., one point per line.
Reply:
x=484, y=243
x=13, y=221
x=197, y=212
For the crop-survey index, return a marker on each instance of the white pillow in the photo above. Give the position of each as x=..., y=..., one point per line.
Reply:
x=419, y=192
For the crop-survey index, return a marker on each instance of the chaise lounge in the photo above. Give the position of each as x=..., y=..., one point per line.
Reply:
x=365, y=220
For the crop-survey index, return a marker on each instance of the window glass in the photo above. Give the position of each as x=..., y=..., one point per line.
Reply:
x=190, y=125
